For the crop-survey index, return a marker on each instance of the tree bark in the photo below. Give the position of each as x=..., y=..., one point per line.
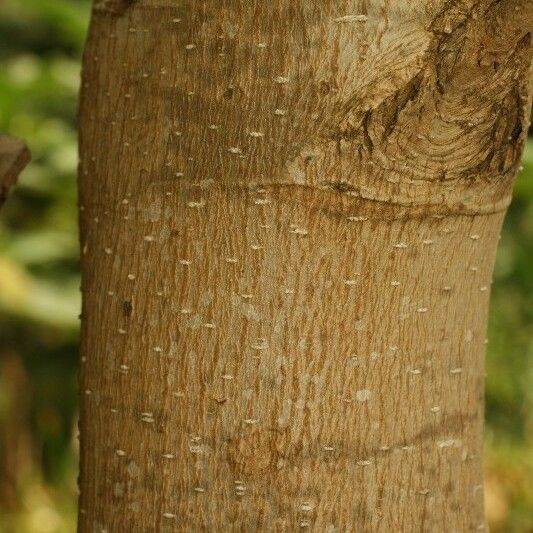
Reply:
x=289, y=216
x=14, y=156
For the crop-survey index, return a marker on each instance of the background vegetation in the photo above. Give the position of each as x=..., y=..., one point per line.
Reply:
x=40, y=50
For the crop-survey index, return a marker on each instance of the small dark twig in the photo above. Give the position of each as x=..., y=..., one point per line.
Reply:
x=14, y=156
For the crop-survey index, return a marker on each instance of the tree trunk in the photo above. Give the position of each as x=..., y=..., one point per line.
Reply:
x=289, y=215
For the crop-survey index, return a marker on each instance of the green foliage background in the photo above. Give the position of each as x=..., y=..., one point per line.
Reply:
x=40, y=49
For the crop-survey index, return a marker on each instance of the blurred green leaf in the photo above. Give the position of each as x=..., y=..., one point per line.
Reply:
x=524, y=184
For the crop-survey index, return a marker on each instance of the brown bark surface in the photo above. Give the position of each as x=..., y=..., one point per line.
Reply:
x=14, y=156
x=289, y=215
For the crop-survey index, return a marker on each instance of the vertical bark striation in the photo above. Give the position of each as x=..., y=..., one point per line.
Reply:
x=289, y=215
